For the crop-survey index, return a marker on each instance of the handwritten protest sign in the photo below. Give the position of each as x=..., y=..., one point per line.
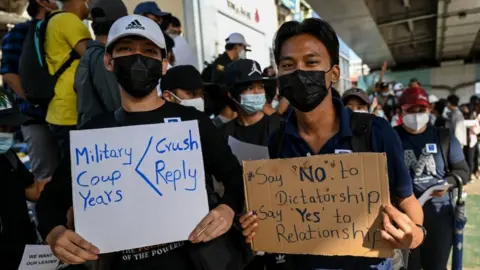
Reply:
x=324, y=205
x=38, y=257
x=138, y=186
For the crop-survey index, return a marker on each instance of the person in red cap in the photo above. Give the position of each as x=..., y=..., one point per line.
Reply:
x=424, y=146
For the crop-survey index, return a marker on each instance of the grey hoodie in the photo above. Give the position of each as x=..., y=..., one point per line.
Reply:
x=97, y=89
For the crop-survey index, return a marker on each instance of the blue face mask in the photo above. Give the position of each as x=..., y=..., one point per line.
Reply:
x=252, y=103
x=6, y=142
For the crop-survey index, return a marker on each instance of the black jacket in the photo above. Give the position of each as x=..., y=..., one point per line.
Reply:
x=97, y=88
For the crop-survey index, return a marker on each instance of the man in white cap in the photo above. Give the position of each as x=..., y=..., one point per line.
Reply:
x=235, y=48
x=135, y=53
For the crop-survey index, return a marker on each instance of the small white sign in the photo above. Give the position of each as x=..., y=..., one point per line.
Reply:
x=138, y=186
x=38, y=257
x=247, y=151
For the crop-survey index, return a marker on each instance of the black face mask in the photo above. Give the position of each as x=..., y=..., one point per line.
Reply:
x=305, y=90
x=137, y=74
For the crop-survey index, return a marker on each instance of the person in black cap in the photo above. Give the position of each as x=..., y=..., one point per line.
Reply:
x=245, y=86
x=151, y=10
x=356, y=100
x=17, y=185
x=175, y=88
x=97, y=88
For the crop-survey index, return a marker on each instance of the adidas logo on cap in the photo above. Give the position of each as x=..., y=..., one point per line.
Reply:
x=135, y=24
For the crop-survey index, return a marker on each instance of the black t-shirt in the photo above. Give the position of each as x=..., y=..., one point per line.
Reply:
x=218, y=161
x=16, y=230
x=258, y=133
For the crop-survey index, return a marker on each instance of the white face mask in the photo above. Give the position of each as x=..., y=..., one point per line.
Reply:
x=197, y=103
x=416, y=121
x=243, y=54
x=275, y=104
x=446, y=113
x=6, y=142
x=60, y=5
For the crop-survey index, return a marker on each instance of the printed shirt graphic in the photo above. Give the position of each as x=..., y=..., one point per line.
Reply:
x=423, y=157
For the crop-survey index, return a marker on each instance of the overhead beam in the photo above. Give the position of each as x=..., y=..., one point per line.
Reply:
x=409, y=42
x=406, y=20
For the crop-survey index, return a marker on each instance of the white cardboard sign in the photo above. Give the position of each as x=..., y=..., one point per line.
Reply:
x=38, y=257
x=137, y=186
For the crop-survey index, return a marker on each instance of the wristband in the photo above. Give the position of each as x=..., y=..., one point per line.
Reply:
x=424, y=233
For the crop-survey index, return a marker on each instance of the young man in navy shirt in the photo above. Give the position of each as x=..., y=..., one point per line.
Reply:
x=307, y=55
x=424, y=159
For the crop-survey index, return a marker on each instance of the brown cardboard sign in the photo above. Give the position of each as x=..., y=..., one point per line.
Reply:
x=323, y=204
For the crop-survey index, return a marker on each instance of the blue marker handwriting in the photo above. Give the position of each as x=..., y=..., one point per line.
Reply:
x=107, y=197
x=166, y=173
x=188, y=144
x=172, y=176
x=101, y=153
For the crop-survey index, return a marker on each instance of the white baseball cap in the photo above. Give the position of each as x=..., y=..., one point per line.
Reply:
x=398, y=87
x=433, y=99
x=136, y=25
x=236, y=38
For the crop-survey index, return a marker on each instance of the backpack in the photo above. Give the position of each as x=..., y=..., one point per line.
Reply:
x=37, y=82
x=360, y=125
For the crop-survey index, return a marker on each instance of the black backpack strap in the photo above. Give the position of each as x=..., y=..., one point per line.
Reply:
x=276, y=149
x=12, y=159
x=444, y=143
x=42, y=33
x=361, y=126
x=73, y=56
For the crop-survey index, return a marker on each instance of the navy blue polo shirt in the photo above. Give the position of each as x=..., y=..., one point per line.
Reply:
x=384, y=140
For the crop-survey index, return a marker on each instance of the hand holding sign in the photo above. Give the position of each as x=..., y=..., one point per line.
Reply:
x=70, y=247
x=249, y=222
x=403, y=236
x=215, y=224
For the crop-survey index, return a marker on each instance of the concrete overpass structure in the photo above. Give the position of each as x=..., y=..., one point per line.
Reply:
x=406, y=33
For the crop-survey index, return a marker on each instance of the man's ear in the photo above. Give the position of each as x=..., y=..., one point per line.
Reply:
x=166, y=95
x=335, y=74
x=108, y=62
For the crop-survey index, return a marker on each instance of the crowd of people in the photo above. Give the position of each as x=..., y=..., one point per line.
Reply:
x=137, y=71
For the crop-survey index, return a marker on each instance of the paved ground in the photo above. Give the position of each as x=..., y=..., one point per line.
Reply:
x=472, y=230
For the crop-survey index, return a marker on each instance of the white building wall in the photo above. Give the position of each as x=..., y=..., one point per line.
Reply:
x=256, y=20
x=453, y=76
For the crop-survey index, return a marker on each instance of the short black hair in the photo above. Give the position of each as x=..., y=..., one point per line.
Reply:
x=101, y=28
x=32, y=8
x=169, y=42
x=175, y=22
x=453, y=100
x=318, y=28
x=229, y=46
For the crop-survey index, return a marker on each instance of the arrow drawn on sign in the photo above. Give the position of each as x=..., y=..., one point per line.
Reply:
x=142, y=175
